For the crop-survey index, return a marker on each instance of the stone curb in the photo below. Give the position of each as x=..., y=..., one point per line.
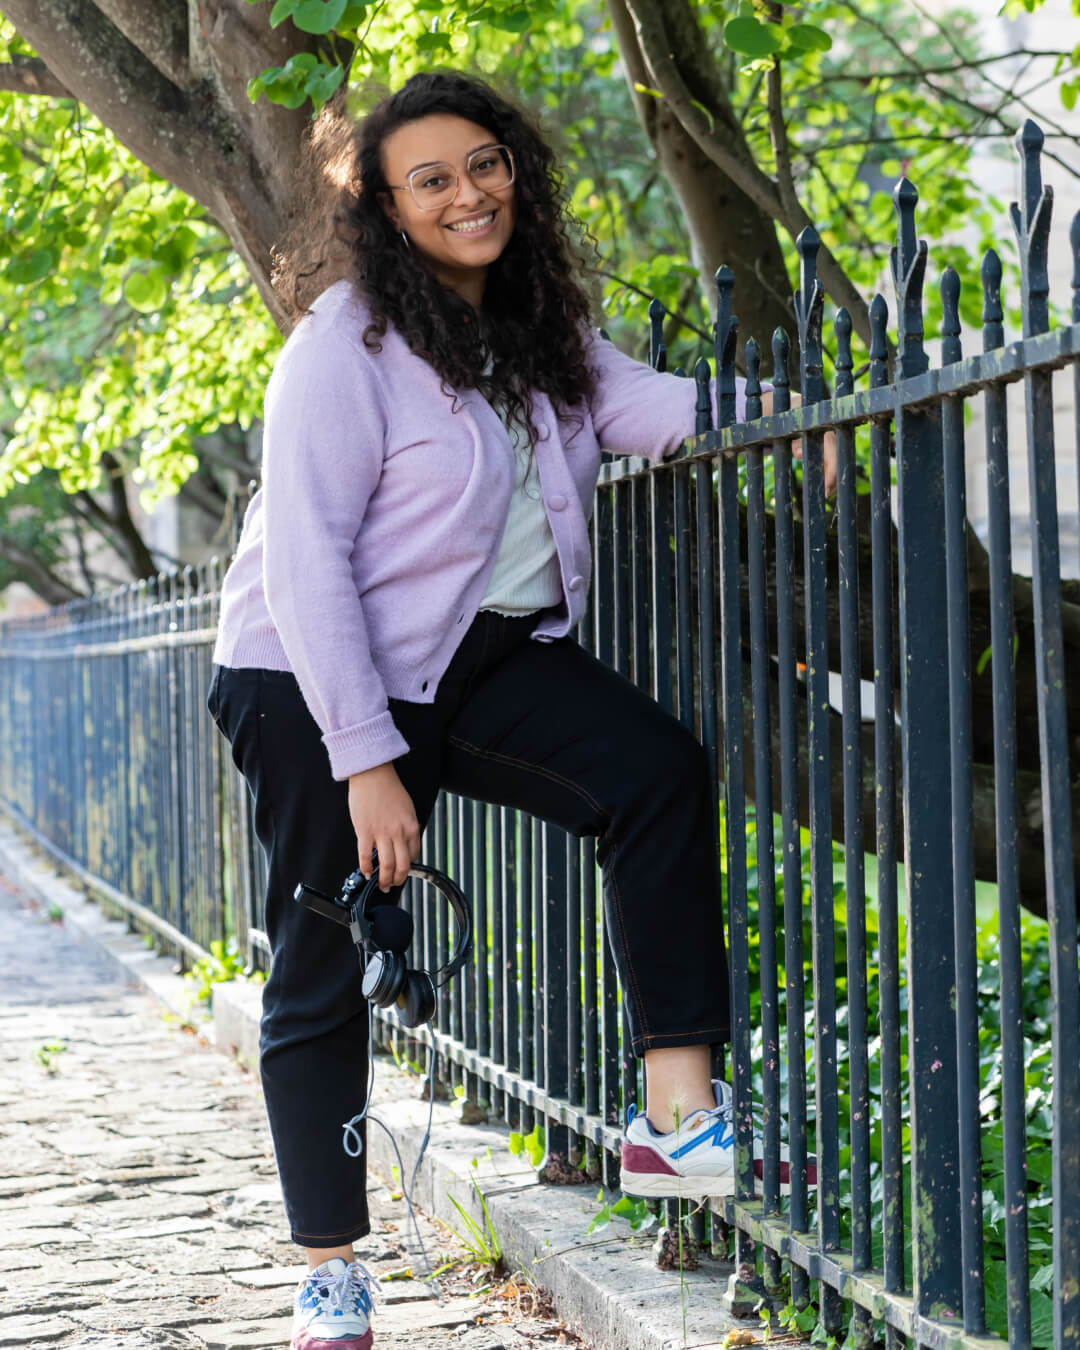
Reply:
x=606, y=1285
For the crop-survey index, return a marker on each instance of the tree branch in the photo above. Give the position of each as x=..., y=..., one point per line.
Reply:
x=53, y=589
x=664, y=74
x=763, y=191
x=119, y=84
x=30, y=75
x=138, y=555
x=159, y=30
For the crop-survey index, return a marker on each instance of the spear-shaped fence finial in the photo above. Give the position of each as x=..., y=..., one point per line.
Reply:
x=845, y=380
x=725, y=334
x=657, y=350
x=1031, y=224
x=992, y=316
x=909, y=270
x=950, y=323
x=753, y=380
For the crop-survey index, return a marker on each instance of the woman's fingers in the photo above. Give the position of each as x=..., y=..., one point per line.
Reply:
x=387, y=861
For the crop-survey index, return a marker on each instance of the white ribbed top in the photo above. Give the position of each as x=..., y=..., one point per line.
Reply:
x=526, y=575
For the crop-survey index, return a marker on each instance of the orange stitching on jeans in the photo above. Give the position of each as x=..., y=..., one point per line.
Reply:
x=532, y=768
x=678, y=1035
x=585, y=796
x=618, y=907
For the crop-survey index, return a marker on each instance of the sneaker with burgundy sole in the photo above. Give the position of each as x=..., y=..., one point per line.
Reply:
x=697, y=1159
x=333, y=1308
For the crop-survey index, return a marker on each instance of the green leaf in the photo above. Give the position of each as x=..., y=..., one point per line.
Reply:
x=513, y=21
x=30, y=266
x=516, y=1143
x=300, y=61
x=352, y=18
x=808, y=37
x=318, y=16
x=751, y=38
x=321, y=84
x=281, y=11
x=10, y=158
x=1068, y=94
x=146, y=291
x=433, y=42
x=287, y=96
x=174, y=252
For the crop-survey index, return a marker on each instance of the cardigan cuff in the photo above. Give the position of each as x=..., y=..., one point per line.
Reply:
x=364, y=745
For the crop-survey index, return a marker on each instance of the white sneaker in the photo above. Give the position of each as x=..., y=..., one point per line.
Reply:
x=333, y=1308
x=697, y=1159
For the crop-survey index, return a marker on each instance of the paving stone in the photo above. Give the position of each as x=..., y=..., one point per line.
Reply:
x=33, y=1330
x=38, y=1237
x=173, y=1312
x=15, y=1186
x=235, y=1335
x=271, y=1277
x=87, y=1273
x=148, y=1174
x=205, y=1184
x=160, y=1228
x=146, y=1338
x=99, y=1143
x=24, y=1259
x=231, y=1147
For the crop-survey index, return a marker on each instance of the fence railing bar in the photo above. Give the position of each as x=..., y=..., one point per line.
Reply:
x=882, y=585
x=791, y=841
x=1031, y=221
x=808, y=306
x=970, y=1179
x=763, y=815
x=1010, y=958
x=854, y=866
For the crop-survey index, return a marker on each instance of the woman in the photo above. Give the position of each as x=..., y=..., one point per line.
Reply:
x=397, y=618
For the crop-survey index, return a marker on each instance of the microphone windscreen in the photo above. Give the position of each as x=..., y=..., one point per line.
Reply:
x=391, y=927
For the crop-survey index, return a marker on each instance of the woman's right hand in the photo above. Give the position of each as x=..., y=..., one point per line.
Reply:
x=384, y=819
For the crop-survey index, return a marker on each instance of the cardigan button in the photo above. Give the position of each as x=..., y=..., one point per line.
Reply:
x=557, y=502
x=575, y=582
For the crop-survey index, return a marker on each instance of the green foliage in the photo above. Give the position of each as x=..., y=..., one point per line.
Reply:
x=480, y=1240
x=132, y=326
x=48, y=1055
x=634, y=1210
x=223, y=963
x=1037, y=1004
x=531, y=1144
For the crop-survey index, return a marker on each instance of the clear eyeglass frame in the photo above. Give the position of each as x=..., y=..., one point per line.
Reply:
x=451, y=191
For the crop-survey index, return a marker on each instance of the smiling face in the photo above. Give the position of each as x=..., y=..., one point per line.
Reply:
x=462, y=238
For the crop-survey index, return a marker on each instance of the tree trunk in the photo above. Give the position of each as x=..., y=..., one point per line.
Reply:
x=725, y=225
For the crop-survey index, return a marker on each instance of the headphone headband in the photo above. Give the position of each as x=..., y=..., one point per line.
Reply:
x=454, y=896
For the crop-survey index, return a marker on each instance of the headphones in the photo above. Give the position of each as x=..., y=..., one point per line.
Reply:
x=382, y=933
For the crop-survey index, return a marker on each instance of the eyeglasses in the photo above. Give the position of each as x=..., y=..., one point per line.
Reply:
x=491, y=168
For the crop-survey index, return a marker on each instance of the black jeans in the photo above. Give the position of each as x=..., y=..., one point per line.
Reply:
x=542, y=727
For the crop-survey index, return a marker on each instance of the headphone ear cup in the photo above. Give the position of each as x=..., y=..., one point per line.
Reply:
x=416, y=1001
x=384, y=974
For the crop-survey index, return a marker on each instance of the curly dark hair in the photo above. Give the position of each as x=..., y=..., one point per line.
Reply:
x=538, y=295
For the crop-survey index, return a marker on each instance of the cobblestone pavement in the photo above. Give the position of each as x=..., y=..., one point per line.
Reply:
x=139, y=1205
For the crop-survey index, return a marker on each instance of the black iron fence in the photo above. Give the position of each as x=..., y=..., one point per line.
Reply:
x=860, y=1026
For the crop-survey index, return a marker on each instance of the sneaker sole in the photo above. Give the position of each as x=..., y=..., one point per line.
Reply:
x=663, y=1186
x=303, y=1340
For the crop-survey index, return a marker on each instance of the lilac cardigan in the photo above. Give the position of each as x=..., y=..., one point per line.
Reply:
x=366, y=551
